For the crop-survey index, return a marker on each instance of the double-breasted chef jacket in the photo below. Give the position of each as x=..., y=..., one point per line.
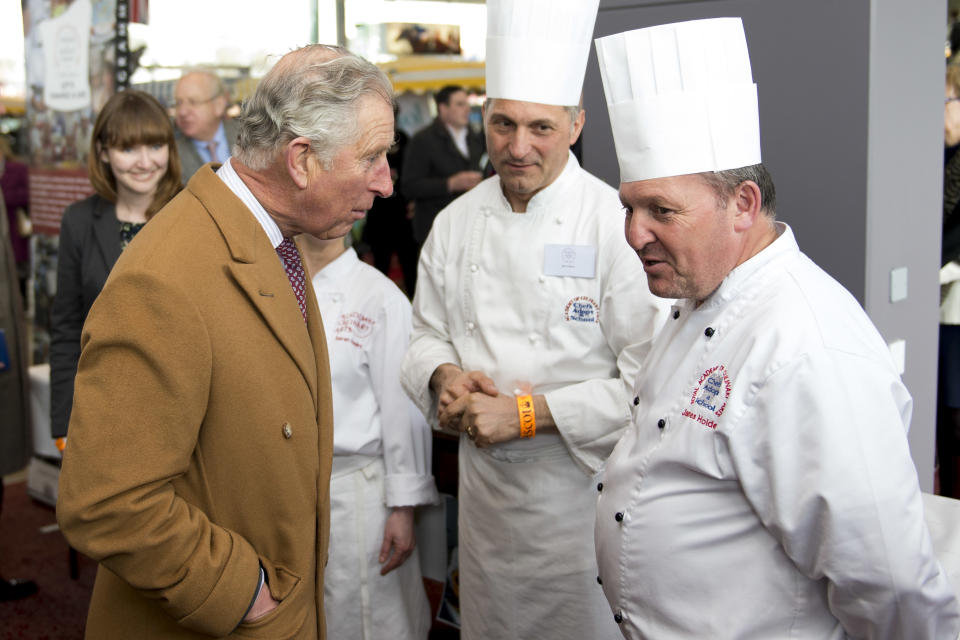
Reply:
x=486, y=301
x=201, y=434
x=765, y=488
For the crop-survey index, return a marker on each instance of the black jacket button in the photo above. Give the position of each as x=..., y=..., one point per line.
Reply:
x=661, y=423
x=618, y=516
x=617, y=617
x=599, y=486
x=709, y=332
x=636, y=400
x=599, y=581
x=676, y=314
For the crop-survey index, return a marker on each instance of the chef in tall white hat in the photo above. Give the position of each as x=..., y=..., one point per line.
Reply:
x=527, y=333
x=765, y=488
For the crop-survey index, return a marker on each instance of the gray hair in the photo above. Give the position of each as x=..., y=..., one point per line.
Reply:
x=311, y=92
x=572, y=111
x=725, y=182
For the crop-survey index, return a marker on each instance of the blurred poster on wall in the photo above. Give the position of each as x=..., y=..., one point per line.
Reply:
x=66, y=38
x=70, y=54
x=71, y=72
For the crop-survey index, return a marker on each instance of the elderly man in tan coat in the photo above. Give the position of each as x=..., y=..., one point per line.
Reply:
x=197, y=468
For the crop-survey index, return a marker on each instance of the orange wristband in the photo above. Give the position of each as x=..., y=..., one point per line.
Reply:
x=528, y=421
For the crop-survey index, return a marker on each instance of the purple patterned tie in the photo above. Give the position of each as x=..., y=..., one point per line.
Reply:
x=291, y=263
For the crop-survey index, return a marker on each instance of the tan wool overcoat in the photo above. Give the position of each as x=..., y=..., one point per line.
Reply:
x=201, y=435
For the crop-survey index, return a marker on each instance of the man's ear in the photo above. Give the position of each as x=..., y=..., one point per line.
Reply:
x=748, y=203
x=222, y=104
x=298, y=155
x=577, y=126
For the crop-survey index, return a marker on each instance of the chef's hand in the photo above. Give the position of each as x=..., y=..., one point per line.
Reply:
x=489, y=419
x=449, y=382
x=398, y=539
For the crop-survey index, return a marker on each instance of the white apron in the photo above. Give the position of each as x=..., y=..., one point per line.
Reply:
x=359, y=603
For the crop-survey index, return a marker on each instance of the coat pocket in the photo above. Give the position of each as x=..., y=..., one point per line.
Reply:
x=287, y=620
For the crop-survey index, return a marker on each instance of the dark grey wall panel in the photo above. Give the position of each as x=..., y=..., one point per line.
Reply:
x=810, y=63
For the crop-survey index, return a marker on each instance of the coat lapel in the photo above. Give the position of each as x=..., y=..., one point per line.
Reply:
x=106, y=230
x=257, y=270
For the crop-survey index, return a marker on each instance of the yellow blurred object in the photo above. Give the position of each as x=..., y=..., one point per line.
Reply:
x=430, y=73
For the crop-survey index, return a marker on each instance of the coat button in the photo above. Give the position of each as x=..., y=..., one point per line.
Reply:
x=618, y=516
x=559, y=220
x=636, y=400
x=618, y=617
x=474, y=268
x=676, y=314
x=470, y=326
x=599, y=486
x=661, y=423
x=709, y=332
x=599, y=581
x=287, y=430
x=542, y=279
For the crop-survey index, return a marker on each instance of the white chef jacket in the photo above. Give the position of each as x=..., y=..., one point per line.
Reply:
x=765, y=489
x=485, y=301
x=381, y=454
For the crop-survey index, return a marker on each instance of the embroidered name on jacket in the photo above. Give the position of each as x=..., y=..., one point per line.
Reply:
x=582, y=309
x=354, y=327
x=709, y=396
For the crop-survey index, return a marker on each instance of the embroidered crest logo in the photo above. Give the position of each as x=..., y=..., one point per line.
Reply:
x=582, y=309
x=709, y=397
x=354, y=327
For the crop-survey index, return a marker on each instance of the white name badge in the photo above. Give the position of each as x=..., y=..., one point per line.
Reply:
x=576, y=261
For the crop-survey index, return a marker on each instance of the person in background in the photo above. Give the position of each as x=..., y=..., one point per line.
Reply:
x=765, y=488
x=388, y=229
x=528, y=332
x=948, y=379
x=15, y=185
x=442, y=160
x=203, y=132
x=197, y=472
x=134, y=169
x=16, y=445
x=373, y=587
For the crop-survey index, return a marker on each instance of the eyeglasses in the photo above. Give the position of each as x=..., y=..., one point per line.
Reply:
x=192, y=102
x=949, y=100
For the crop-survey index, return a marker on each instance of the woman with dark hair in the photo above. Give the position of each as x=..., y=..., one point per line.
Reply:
x=135, y=170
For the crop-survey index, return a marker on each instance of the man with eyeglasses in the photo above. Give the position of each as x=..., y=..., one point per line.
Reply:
x=203, y=134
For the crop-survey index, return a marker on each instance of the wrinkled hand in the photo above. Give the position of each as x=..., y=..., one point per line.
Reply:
x=486, y=419
x=399, y=540
x=463, y=181
x=450, y=383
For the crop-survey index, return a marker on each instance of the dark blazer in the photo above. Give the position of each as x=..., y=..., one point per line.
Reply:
x=431, y=158
x=89, y=247
x=202, y=433
x=190, y=160
x=15, y=425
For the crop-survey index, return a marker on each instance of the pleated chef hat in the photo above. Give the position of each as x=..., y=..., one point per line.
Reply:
x=537, y=49
x=681, y=98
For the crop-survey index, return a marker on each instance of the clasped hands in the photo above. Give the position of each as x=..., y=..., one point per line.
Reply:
x=469, y=402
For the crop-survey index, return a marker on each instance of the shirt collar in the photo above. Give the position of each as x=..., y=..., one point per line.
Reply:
x=552, y=194
x=332, y=276
x=239, y=189
x=220, y=137
x=743, y=274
